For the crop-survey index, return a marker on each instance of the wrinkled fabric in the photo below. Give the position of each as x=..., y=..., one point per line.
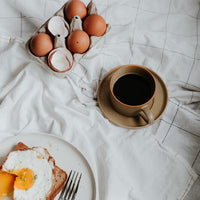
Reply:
x=161, y=162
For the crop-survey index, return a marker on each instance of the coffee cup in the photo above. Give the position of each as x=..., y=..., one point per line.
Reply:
x=132, y=91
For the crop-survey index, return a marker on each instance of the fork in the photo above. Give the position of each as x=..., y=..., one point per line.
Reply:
x=70, y=188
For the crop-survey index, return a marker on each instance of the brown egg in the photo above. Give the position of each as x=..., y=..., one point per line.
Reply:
x=78, y=41
x=75, y=7
x=94, y=25
x=41, y=44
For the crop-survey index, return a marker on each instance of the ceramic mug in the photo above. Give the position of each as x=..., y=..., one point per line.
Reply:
x=132, y=91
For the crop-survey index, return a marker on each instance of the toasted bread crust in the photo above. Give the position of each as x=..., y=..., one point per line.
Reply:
x=60, y=178
x=21, y=146
x=59, y=175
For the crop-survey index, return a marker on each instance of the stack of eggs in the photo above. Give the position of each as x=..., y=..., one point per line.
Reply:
x=67, y=35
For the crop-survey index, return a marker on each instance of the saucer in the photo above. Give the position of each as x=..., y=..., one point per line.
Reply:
x=158, y=108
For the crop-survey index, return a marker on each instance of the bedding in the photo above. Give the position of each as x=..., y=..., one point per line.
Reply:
x=159, y=162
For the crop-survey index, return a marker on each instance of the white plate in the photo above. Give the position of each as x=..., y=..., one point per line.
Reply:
x=66, y=157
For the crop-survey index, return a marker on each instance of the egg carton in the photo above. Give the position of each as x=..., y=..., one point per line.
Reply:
x=43, y=29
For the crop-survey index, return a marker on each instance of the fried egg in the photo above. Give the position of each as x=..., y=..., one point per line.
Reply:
x=6, y=185
x=33, y=170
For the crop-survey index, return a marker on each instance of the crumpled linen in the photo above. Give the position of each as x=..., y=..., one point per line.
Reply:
x=151, y=163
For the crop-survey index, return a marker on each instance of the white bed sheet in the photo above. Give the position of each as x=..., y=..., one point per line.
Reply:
x=162, y=35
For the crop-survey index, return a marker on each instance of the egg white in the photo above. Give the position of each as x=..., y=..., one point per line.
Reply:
x=35, y=159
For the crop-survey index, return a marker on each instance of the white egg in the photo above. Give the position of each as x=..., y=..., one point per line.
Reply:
x=36, y=160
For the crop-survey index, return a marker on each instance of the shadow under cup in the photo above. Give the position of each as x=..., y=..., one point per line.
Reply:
x=132, y=91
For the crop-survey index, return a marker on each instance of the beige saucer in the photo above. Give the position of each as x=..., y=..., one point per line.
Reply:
x=158, y=108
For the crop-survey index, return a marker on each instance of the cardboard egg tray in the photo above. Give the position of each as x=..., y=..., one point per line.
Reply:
x=44, y=59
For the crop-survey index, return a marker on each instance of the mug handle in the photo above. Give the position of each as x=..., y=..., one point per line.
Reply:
x=147, y=115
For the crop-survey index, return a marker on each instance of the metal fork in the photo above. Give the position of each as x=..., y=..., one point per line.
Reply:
x=70, y=189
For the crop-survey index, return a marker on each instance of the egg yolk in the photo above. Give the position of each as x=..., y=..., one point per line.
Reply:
x=25, y=179
x=6, y=184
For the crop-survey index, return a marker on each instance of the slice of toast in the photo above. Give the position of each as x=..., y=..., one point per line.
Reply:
x=59, y=175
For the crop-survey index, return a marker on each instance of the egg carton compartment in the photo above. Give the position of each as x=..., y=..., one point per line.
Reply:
x=43, y=60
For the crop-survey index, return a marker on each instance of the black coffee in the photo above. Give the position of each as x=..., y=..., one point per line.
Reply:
x=133, y=89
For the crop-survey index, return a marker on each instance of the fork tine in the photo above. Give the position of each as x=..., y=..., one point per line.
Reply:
x=76, y=189
x=70, y=189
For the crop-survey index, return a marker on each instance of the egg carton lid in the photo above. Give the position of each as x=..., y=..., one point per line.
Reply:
x=43, y=61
